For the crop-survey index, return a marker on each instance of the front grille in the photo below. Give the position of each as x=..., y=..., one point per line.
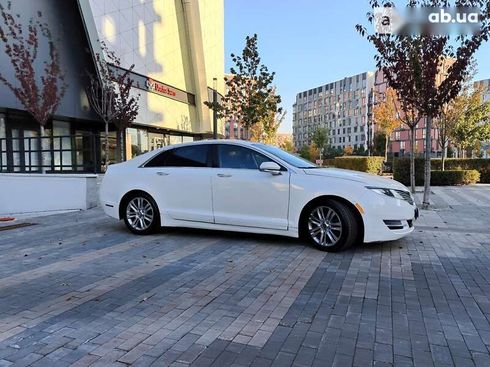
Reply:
x=406, y=196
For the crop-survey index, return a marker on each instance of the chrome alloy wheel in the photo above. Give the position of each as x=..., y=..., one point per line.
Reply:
x=139, y=213
x=324, y=226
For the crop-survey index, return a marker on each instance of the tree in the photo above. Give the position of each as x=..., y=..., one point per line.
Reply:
x=332, y=152
x=360, y=151
x=314, y=152
x=348, y=150
x=265, y=130
x=39, y=92
x=410, y=117
x=379, y=143
x=109, y=94
x=386, y=116
x=251, y=96
x=304, y=152
x=417, y=65
x=472, y=124
x=287, y=145
x=320, y=138
x=450, y=114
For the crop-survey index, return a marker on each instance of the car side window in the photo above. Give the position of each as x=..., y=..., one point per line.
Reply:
x=188, y=156
x=234, y=156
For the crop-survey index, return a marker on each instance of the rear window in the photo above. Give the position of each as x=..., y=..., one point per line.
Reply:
x=188, y=156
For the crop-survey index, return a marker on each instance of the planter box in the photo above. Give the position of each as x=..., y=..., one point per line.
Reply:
x=27, y=193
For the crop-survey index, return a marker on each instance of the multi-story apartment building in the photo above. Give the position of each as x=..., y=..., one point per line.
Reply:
x=343, y=107
x=400, y=138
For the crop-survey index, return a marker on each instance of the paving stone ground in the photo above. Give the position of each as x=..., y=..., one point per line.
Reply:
x=78, y=289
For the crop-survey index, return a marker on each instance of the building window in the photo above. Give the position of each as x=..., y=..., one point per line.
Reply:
x=66, y=147
x=137, y=142
x=62, y=146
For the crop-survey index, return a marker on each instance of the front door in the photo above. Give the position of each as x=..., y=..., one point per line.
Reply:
x=245, y=196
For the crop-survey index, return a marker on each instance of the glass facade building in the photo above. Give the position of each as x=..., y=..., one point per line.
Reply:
x=176, y=48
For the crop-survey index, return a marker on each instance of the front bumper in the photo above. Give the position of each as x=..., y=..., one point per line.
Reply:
x=387, y=219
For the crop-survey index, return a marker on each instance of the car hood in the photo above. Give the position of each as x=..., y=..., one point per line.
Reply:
x=361, y=177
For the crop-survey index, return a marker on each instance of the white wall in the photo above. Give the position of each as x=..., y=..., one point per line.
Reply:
x=27, y=193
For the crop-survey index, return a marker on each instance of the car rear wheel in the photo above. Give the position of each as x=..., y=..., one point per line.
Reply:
x=141, y=214
x=330, y=226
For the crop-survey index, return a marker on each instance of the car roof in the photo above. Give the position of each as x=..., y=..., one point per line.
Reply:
x=145, y=157
x=210, y=141
x=219, y=141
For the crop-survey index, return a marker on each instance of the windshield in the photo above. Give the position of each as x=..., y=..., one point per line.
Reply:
x=287, y=157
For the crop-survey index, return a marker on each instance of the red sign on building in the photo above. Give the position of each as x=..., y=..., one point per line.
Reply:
x=160, y=88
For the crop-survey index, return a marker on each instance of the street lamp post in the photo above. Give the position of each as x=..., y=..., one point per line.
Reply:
x=215, y=113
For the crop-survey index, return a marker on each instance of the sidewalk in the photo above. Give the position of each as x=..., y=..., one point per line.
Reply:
x=79, y=289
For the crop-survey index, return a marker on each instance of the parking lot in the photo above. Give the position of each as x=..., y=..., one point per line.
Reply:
x=79, y=289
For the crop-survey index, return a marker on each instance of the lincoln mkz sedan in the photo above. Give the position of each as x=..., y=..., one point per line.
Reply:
x=252, y=187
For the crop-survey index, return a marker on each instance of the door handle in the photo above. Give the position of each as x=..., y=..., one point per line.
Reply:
x=162, y=173
x=223, y=175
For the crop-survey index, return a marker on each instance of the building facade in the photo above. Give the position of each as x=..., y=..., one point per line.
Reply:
x=399, y=144
x=484, y=84
x=177, y=49
x=341, y=106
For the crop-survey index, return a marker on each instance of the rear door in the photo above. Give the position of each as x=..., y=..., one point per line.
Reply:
x=181, y=182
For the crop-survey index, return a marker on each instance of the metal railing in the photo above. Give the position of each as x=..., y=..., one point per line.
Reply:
x=78, y=153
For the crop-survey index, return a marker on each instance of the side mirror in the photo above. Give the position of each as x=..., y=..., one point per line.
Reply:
x=271, y=167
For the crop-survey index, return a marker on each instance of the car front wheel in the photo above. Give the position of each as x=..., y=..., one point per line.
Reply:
x=141, y=214
x=330, y=226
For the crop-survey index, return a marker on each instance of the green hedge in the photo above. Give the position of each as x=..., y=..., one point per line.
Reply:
x=330, y=162
x=358, y=163
x=454, y=177
x=401, y=168
x=479, y=164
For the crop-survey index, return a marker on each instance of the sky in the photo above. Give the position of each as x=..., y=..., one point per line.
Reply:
x=308, y=43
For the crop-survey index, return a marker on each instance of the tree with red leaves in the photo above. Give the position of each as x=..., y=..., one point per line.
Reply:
x=39, y=92
x=416, y=65
x=109, y=94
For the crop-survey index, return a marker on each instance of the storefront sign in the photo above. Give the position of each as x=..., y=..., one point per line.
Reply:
x=153, y=86
x=157, y=87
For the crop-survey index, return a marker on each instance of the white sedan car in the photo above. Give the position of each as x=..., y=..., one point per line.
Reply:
x=251, y=187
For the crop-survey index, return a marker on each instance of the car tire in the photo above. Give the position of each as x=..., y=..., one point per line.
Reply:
x=140, y=213
x=329, y=225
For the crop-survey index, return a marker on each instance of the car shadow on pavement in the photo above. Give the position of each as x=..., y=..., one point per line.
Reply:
x=230, y=235
x=268, y=239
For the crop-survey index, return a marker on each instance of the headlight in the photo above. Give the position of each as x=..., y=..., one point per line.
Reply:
x=397, y=194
